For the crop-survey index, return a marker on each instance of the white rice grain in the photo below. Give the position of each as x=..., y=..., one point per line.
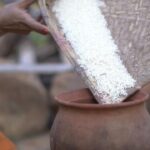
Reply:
x=85, y=28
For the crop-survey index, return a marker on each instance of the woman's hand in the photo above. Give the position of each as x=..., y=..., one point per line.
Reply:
x=14, y=18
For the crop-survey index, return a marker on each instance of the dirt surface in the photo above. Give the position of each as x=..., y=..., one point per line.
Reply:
x=40, y=142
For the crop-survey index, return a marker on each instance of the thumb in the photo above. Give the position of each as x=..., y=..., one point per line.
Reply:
x=25, y=3
x=36, y=26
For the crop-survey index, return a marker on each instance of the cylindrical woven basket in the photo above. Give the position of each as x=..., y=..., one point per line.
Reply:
x=129, y=23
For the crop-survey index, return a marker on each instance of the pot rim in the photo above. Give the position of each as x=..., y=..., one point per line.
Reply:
x=75, y=103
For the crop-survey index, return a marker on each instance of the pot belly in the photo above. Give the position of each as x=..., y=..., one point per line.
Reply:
x=77, y=131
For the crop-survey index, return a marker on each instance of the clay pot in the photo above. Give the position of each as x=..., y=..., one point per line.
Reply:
x=5, y=143
x=81, y=124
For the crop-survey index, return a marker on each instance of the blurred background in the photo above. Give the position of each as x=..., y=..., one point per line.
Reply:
x=32, y=72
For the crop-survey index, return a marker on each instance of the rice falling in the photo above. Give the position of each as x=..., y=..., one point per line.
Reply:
x=86, y=29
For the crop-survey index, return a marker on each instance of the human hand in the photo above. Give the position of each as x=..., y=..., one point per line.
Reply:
x=14, y=18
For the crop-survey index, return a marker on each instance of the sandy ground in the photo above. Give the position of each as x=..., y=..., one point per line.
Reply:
x=40, y=142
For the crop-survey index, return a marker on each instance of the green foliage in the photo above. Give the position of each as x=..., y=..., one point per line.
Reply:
x=38, y=39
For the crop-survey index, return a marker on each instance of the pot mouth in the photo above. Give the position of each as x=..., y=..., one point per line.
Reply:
x=83, y=98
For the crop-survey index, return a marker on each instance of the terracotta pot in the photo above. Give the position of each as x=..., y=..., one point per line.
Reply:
x=5, y=143
x=81, y=124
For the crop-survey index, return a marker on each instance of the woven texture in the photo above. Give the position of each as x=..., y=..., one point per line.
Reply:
x=129, y=22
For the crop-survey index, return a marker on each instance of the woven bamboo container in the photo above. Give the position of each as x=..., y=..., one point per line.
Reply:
x=129, y=23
